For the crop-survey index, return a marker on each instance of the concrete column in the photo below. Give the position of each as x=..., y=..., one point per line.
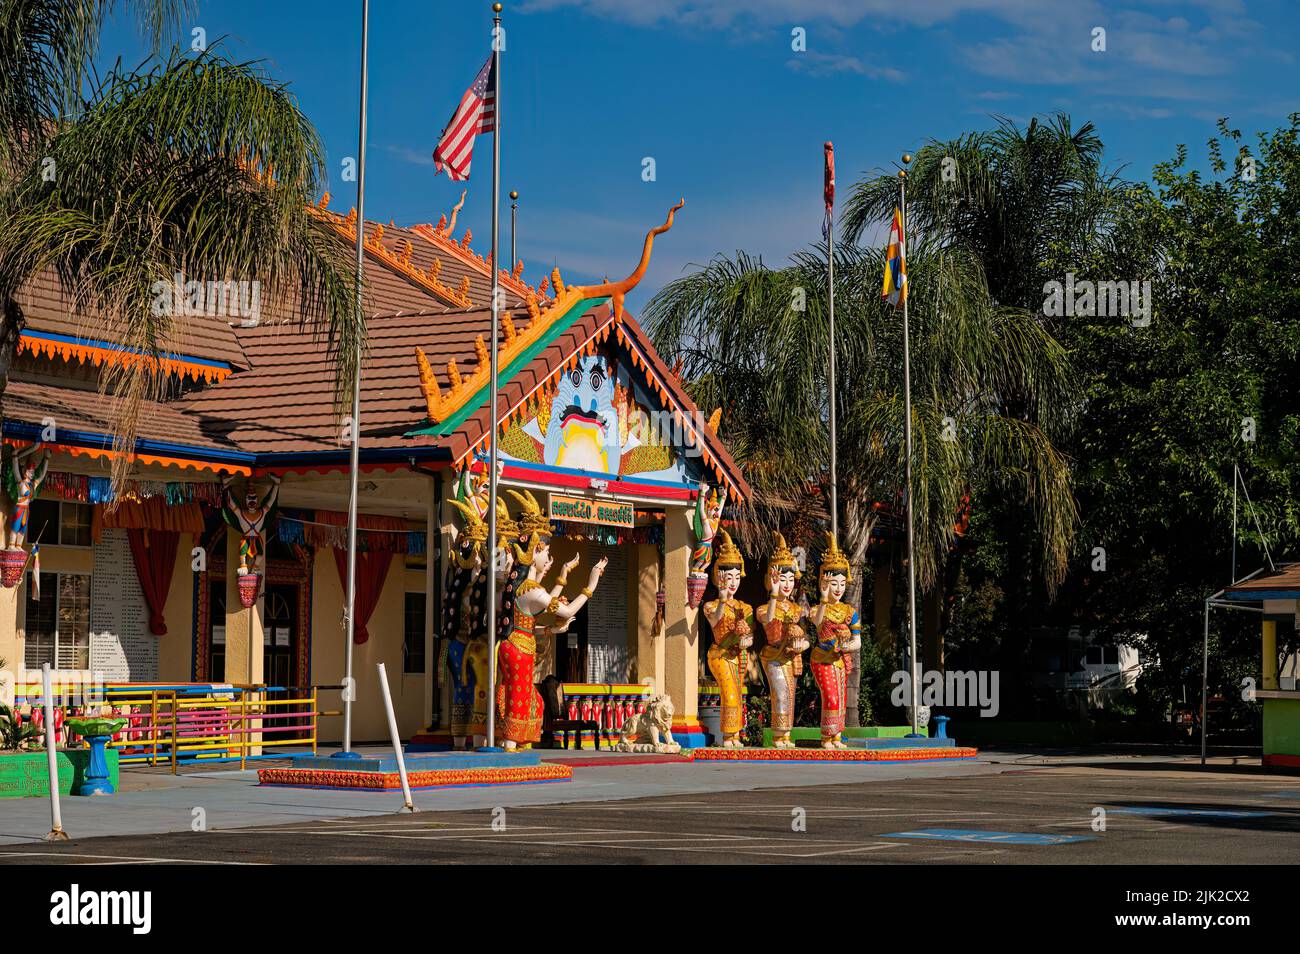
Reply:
x=431, y=543
x=649, y=644
x=1269, y=671
x=245, y=636
x=682, y=628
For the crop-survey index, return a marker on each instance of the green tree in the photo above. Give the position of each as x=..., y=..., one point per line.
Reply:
x=754, y=340
x=191, y=163
x=1171, y=407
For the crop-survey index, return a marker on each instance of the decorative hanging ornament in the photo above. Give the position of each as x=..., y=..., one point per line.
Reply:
x=249, y=583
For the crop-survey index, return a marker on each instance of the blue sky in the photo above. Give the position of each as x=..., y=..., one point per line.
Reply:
x=733, y=116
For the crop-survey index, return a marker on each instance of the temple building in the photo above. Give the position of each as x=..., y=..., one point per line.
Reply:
x=144, y=585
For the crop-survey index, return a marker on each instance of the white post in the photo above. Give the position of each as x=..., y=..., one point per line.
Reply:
x=490, y=563
x=397, y=740
x=907, y=469
x=56, y=816
x=354, y=454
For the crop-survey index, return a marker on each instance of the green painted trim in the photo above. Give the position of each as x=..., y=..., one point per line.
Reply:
x=558, y=326
x=27, y=773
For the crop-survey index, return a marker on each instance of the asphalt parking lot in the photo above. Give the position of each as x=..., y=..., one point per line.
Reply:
x=1144, y=813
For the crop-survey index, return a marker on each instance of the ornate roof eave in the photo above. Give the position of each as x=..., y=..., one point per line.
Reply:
x=425, y=279
x=617, y=290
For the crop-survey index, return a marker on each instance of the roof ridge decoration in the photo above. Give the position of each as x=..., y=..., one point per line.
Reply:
x=442, y=235
x=616, y=290
x=461, y=387
x=91, y=351
x=426, y=279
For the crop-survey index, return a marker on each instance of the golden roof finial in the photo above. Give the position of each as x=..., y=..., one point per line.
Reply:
x=465, y=239
x=481, y=350
x=429, y=384
x=435, y=269
x=715, y=419
x=324, y=201
x=453, y=375
x=508, y=328
x=451, y=226
x=464, y=287
x=557, y=281
x=617, y=290
x=442, y=224
x=519, y=268
x=534, y=313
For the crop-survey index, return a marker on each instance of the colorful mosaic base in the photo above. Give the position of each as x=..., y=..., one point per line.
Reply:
x=377, y=781
x=829, y=755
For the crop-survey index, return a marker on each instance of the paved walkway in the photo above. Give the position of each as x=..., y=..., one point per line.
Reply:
x=152, y=801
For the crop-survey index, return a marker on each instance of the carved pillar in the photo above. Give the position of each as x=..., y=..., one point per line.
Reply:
x=682, y=629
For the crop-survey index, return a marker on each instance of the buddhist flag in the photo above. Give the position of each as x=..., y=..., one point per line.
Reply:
x=895, y=290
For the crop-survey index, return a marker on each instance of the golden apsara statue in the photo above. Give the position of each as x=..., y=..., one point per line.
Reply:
x=732, y=623
x=786, y=640
x=839, y=632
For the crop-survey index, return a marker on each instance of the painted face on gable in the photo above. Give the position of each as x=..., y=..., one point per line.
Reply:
x=728, y=581
x=785, y=582
x=837, y=582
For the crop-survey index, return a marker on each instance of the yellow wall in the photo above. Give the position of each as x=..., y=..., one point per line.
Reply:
x=369, y=723
x=176, y=649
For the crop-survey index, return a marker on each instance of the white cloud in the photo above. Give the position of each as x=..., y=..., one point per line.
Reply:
x=827, y=64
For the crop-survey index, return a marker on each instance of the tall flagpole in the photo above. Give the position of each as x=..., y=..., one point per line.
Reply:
x=493, y=384
x=354, y=459
x=830, y=371
x=907, y=466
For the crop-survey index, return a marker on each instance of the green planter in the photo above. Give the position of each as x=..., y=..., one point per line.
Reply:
x=26, y=773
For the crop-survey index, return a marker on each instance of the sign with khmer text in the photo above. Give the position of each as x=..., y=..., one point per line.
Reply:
x=612, y=513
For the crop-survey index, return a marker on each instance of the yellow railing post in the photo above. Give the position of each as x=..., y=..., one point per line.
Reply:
x=176, y=742
x=314, y=721
x=243, y=744
x=153, y=728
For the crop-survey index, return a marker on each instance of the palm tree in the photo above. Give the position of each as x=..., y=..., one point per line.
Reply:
x=192, y=163
x=753, y=340
x=1024, y=201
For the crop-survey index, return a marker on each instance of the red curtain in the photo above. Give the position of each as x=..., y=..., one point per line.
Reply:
x=372, y=570
x=154, y=555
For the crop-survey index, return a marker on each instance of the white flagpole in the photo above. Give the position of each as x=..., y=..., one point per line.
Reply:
x=349, y=685
x=907, y=466
x=493, y=384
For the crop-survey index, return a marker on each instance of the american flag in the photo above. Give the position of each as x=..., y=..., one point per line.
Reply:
x=477, y=113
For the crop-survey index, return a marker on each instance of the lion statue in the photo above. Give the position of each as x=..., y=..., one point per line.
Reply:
x=650, y=731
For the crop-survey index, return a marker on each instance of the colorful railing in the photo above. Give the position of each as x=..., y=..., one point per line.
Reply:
x=185, y=723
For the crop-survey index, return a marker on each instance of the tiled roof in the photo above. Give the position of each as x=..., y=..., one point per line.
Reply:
x=75, y=409
x=47, y=309
x=285, y=404
x=1284, y=580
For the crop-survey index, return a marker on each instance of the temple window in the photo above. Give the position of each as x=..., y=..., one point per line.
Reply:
x=58, y=624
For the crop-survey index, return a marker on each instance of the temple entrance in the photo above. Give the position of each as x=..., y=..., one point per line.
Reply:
x=280, y=645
